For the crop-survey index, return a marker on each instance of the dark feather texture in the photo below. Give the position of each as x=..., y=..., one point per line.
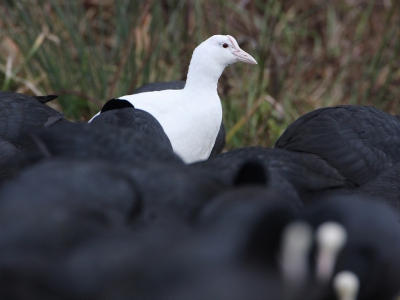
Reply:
x=105, y=143
x=302, y=172
x=120, y=113
x=358, y=141
x=20, y=116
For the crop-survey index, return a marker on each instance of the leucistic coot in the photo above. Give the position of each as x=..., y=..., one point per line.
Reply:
x=192, y=117
x=178, y=85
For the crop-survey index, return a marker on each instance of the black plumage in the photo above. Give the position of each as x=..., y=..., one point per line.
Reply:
x=287, y=171
x=219, y=142
x=57, y=203
x=115, y=104
x=121, y=113
x=107, y=143
x=248, y=222
x=45, y=99
x=159, y=86
x=174, y=189
x=20, y=116
x=358, y=141
x=386, y=186
x=158, y=263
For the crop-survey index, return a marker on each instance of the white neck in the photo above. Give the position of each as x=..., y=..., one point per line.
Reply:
x=204, y=72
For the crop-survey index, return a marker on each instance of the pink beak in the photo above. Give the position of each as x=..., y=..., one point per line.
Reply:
x=240, y=54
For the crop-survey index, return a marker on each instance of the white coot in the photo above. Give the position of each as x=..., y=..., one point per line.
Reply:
x=191, y=117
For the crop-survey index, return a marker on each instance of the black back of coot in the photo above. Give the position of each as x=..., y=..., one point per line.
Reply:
x=104, y=143
x=286, y=170
x=121, y=113
x=358, y=141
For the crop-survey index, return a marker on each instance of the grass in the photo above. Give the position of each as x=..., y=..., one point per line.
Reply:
x=311, y=53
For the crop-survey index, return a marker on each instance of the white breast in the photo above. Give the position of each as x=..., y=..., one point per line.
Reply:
x=191, y=121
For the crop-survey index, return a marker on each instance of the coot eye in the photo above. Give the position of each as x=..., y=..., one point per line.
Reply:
x=225, y=45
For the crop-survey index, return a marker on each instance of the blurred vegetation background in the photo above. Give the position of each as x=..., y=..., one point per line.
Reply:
x=311, y=53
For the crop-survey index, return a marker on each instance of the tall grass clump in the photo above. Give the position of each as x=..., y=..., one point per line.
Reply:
x=311, y=53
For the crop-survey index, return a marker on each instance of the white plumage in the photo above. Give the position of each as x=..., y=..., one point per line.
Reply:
x=191, y=117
